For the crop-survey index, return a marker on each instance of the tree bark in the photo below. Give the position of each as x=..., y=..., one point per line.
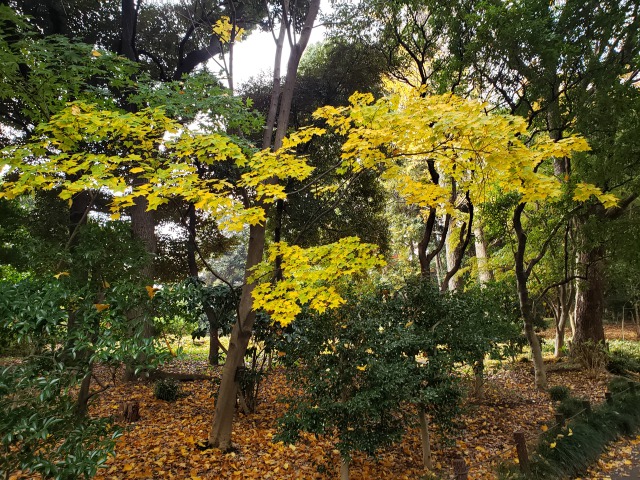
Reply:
x=214, y=340
x=344, y=468
x=590, y=298
x=220, y=434
x=485, y=274
x=522, y=277
x=221, y=428
x=426, y=441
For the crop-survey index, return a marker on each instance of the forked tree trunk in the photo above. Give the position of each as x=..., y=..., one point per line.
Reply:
x=221, y=428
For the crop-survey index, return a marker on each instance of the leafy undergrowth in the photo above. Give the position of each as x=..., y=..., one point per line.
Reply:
x=164, y=442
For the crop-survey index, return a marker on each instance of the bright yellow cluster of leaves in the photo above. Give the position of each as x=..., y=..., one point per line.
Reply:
x=482, y=152
x=224, y=29
x=84, y=148
x=309, y=275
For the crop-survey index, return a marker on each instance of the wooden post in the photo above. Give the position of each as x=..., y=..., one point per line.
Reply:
x=586, y=404
x=521, y=448
x=609, y=397
x=560, y=420
x=460, y=469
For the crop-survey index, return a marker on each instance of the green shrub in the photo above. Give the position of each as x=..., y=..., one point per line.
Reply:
x=621, y=362
x=559, y=392
x=619, y=385
x=166, y=389
x=570, y=406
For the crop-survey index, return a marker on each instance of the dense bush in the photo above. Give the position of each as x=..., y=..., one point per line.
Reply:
x=167, y=389
x=559, y=393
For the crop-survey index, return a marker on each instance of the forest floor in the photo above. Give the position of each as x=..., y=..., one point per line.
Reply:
x=163, y=444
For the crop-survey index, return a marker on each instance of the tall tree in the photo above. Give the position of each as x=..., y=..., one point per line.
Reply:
x=282, y=97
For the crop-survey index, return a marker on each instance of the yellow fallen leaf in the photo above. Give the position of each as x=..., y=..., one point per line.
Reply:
x=151, y=291
x=128, y=467
x=544, y=428
x=552, y=445
x=362, y=368
x=101, y=306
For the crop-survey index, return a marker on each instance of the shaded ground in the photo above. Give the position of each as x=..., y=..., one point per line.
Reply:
x=163, y=444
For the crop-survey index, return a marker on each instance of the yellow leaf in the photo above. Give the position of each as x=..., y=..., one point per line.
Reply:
x=101, y=306
x=115, y=216
x=128, y=467
x=151, y=291
x=137, y=170
x=544, y=428
x=552, y=445
x=570, y=433
x=75, y=110
x=96, y=53
x=61, y=274
x=362, y=368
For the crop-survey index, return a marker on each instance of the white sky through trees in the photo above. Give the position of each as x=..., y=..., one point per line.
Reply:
x=255, y=54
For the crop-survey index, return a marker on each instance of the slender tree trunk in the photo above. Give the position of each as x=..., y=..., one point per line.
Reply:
x=590, y=298
x=82, y=402
x=221, y=428
x=454, y=282
x=522, y=277
x=565, y=307
x=214, y=340
x=426, y=441
x=485, y=274
x=344, y=468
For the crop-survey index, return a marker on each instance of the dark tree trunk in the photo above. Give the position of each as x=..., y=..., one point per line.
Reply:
x=590, y=298
x=526, y=307
x=191, y=241
x=214, y=340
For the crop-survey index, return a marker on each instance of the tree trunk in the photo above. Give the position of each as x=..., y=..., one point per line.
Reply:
x=344, y=468
x=426, y=441
x=450, y=248
x=563, y=316
x=522, y=277
x=221, y=428
x=485, y=274
x=590, y=298
x=214, y=340
x=82, y=402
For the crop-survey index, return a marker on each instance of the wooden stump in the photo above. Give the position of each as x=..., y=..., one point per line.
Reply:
x=130, y=411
